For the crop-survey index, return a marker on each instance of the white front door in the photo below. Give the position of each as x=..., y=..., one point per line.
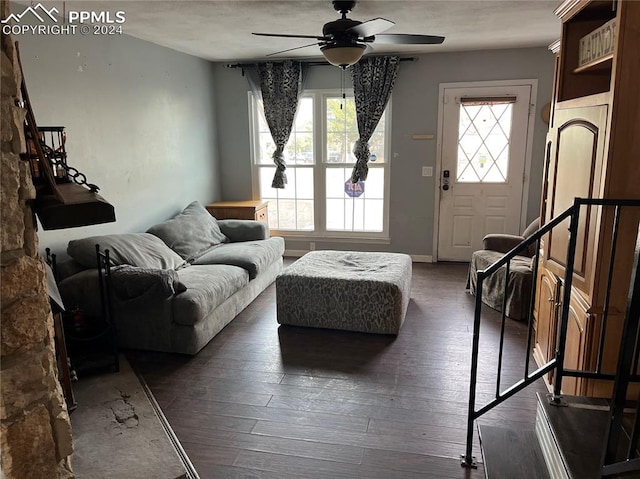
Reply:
x=483, y=150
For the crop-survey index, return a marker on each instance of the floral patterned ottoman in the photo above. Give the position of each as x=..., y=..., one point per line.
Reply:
x=349, y=290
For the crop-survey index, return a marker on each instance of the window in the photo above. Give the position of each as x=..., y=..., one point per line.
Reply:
x=316, y=199
x=484, y=138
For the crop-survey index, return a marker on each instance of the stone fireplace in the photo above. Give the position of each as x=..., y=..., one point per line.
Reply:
x=35, y=431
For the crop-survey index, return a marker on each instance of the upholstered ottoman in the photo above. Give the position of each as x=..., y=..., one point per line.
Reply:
x=353, y=291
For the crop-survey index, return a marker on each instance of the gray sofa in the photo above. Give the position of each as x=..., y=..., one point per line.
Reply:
x=176, y=286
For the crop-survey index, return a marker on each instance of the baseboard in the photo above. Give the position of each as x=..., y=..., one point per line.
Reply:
x=416, y=258
x=295, y=253
x=422, y=258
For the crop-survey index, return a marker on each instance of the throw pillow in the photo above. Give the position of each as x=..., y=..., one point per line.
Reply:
x=191, y=233
x=136, y=249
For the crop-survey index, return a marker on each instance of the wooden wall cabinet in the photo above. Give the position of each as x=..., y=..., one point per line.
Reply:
x=592, y=152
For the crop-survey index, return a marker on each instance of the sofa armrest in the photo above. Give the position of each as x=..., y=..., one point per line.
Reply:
x=502, y=243
x=244, y=230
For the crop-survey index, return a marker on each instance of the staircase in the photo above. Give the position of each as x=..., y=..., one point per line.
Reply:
x=574, y=437
x=566, y=443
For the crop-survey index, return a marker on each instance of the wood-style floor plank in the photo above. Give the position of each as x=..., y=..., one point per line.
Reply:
x=267, y=402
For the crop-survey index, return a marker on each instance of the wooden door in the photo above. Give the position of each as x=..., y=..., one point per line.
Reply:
x=575, y=170
x=484, y=146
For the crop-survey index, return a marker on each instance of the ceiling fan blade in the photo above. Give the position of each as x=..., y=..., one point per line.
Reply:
x=291, y=49
x=371, y=27
x=286, y=35
x=407, y=39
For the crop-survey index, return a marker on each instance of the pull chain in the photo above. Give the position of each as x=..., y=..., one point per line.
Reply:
x=342, y=87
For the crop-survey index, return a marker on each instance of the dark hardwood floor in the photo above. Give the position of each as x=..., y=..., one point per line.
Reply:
x=263, y=401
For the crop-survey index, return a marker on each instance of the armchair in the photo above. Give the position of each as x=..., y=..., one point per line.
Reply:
x=520, y=273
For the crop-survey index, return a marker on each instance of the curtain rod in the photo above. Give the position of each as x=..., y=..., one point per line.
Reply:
x=311, y=63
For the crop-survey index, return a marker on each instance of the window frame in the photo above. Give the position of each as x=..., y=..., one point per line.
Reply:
x=320, y=166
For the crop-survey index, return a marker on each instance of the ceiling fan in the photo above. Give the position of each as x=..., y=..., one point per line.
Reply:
x=344, y=41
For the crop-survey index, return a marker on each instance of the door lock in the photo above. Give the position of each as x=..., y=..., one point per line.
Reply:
x=445, y=180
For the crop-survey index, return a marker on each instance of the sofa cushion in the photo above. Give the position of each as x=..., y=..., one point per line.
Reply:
x=190, y=233
x=137, y=249
x=253, y=256
x=208, y=286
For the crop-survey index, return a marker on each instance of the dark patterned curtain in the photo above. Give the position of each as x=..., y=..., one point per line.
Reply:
x=373, y=80
x=280, y=86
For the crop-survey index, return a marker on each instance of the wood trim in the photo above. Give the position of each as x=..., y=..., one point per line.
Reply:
x=568, y=8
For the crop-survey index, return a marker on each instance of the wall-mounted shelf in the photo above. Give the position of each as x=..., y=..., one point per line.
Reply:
x=600, y=65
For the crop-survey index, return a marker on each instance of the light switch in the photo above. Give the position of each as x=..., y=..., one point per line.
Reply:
x=427, y=171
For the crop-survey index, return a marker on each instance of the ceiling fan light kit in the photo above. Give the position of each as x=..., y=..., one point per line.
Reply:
x=343, y=56
x=345, y=41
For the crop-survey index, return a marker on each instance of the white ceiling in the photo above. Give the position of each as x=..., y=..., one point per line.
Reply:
x=220, y=30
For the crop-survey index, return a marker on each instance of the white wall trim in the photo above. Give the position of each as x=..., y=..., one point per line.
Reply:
x=416, y=258
x=295, y=253
x=533, y=83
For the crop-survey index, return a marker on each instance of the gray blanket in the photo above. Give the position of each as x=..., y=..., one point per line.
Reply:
x=130, y=282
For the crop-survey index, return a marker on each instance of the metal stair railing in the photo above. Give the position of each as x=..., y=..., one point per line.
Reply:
x=556, y=363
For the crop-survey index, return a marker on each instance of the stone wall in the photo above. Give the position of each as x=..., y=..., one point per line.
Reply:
x=35, y=432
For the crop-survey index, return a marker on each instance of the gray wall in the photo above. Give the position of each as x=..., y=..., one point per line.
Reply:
x=415, y=110
x=140, y=122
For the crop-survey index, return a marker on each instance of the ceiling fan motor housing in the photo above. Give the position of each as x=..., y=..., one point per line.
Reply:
x=337, y=30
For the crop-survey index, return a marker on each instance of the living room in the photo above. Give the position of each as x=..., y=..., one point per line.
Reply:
x=157, y=128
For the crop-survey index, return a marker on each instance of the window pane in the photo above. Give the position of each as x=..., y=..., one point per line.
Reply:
x=265, y=177
x=291, y=207
x=305, y=215
x=267, y=147
x=364, y=213
x=374, y=186
x=302, y=148
x=335, y=182
x=299, y=148
x=304, y=115
x=483, y=143
x=342, y=130
x=335, y=220
x=376, y=147
x=373, y=215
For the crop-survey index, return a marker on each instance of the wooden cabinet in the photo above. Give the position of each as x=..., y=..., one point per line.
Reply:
x=592, y=150
x=546, y=313
x=576, y=353
x=242, y=210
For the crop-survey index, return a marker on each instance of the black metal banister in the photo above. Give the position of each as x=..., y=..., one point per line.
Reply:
x=631, y=345
x=607, y=299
